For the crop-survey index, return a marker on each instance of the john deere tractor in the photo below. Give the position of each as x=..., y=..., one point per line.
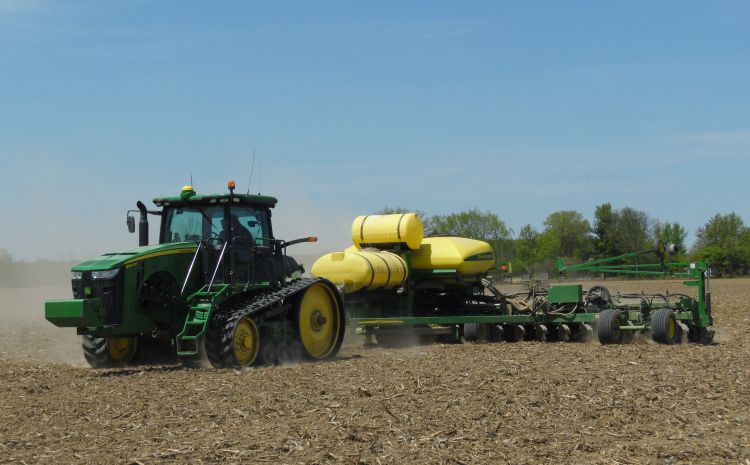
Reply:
x=218, y=286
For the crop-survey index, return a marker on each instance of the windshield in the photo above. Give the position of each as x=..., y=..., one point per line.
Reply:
x=247, y=222
x=186, y=224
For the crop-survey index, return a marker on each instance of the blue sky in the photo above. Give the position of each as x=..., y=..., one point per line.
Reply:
x=519, y=108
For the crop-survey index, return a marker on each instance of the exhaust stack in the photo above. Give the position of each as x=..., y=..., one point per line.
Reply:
x=142, y=225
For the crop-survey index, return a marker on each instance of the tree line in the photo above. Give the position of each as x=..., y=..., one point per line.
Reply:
x=723, y=241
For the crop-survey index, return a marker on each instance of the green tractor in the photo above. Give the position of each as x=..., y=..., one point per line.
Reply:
x=218, y=286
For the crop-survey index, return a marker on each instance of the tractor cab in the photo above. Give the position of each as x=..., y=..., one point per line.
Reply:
x=233, y=234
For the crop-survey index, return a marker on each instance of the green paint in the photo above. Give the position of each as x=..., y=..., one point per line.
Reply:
x=76, y=313
x=563, y=294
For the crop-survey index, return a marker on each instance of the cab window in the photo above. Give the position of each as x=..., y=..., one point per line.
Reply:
x=250, y=220
x=190, y=224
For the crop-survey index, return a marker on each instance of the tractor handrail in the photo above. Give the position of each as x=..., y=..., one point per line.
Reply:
x=218, y=263
x=190, y=269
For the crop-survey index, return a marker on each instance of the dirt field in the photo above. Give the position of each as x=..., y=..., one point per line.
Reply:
x=441, y=404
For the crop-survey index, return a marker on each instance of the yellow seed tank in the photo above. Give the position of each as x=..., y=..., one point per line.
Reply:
x=358, y=268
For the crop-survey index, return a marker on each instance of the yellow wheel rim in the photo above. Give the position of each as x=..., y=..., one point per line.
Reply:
x=670, y=329
x=319, y=321
x=121, y=349
x=245, y=342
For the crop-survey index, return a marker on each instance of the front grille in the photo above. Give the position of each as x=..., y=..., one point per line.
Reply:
x=77, y=288
x=111, y=291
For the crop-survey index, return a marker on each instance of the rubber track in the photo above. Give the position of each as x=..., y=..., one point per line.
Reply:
x=221, y=326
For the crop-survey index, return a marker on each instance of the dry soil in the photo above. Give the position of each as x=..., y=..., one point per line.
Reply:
x=527, y=402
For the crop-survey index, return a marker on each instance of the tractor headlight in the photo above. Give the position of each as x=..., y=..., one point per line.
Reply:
x=76, y=275
x=106, y=274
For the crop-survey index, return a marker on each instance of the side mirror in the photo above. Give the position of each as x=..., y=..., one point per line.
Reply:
x=131, y=224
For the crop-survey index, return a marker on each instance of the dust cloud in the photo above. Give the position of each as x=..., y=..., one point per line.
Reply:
x=26, y=336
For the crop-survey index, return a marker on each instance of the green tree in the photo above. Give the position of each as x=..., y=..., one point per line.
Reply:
x=724, y=242
x=605, y=231
x=526, y=249
x=472, y=223
x=566, y=234
x=5, y=257
x=634, y=231
x=527, y=245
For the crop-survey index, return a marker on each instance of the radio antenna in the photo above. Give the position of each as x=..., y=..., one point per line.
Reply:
x=252, y=167
x=260, y=171
x=191, y=179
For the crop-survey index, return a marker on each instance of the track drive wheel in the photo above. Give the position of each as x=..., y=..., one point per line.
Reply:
x=319, y=319
x=664, y=327
x=608, y=330
x=232, y=342
x=109, y=352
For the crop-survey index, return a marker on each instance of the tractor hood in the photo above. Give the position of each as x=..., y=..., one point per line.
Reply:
x=113, y=260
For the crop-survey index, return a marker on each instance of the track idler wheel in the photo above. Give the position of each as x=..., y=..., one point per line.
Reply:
x=245, y=343
x=109, y=352
x=665, y=328
x=319, y=319
x=232, y=343
x=608, y=330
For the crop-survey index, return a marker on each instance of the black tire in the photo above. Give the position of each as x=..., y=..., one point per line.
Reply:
x=496, y=333
x=541, y=333
x=664, y=327
x=514, y=333
x=563, y=333
x=478, y=332
x=471, y=331
x=608, y=329
x=96, y=351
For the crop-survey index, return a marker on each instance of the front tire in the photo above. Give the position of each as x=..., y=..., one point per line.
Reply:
x=109, y=352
